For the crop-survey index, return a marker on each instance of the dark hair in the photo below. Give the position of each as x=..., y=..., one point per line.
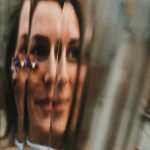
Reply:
x=68, y=138
x=11, y=111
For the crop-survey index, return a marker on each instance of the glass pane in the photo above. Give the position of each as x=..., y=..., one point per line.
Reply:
x=16, y=74
x=76, y=74
x=70, y=77
x=44, y=45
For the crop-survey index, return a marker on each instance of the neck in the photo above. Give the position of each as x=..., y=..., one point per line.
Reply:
x=20, y=130
x=37, y=137
x=56, y=141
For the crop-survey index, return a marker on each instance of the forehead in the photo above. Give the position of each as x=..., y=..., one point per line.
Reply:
x=46, y=18
x=24, y=18
x=70, y=21
x=69, y=15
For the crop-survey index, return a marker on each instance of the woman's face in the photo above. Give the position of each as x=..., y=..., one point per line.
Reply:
x=21, y=49
x=68, y=60
x=45, y=34
x=55, y=42
x=19, y=77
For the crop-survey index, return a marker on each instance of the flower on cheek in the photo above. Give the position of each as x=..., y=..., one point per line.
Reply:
x=28, y=63
x=18, y=62
x=32, y=63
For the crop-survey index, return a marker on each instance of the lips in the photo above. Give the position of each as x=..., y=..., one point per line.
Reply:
x=60, y=105
x=45, y=104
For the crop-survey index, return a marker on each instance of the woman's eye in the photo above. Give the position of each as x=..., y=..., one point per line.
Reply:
x=23, y=49
x=40, y=51
x=73, y=54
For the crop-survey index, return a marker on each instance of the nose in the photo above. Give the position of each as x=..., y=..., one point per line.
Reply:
x=50, y=70
x=62, y=72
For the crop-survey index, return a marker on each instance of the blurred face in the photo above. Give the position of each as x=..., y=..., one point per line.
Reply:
x=44, y=40
x=66, y=69
x=19, y=76
x=55, y=42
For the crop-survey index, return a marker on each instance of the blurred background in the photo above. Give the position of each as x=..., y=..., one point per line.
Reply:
x=115, y=108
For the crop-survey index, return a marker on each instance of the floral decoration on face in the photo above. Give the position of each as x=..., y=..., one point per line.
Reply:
x=20, y=62
x=33, y=62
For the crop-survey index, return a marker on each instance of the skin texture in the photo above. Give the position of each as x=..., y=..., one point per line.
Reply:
x=46, y=22
x=19, y=80
x=51, y=85
x=67, y=67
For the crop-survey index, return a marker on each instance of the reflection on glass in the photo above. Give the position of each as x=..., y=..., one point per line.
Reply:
x=46, y=74
x=43, y=48
x=19, y=73
x=67, y=75
x=16, y=74
x=54, y=53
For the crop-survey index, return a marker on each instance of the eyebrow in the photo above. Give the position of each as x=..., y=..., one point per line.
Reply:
x=24, y=37
x=41, y=39
x=74, y=42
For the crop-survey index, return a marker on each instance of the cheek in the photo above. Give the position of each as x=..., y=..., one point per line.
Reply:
x=36, y=78
x=83, y=74
x=80, y=76
x=72, y=72
x=19, y=90
x=19, y=83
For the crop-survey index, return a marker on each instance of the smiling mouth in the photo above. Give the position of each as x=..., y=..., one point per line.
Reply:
x=48, y=105
x=45, y=104
x=59, y=105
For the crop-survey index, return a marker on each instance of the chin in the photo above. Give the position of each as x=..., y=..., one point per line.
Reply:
x=45, y=129
x=41, y=125
x=59, y=125
x=58, y=131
